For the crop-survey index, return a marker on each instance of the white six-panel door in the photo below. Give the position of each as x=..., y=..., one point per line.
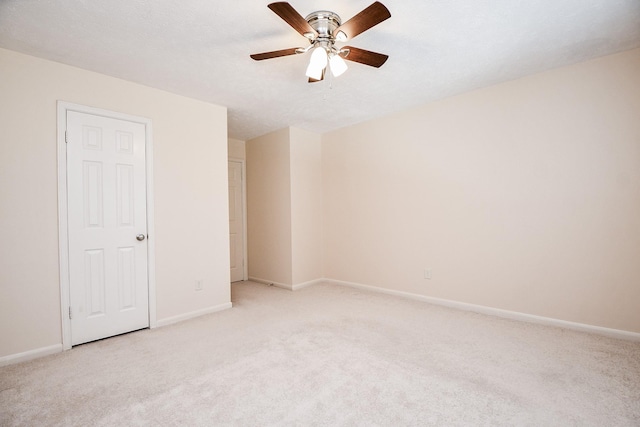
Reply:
x=107, y=226
x=236, y=221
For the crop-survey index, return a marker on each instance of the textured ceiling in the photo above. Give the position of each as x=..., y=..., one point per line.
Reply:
x=201, y=49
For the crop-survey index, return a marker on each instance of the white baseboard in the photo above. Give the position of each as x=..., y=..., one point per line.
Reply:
x=192, y=314
x=57, y=348
x=506, y=314
x=270, y=282
x=307, y=284
x=284, y=285
x=29, y=355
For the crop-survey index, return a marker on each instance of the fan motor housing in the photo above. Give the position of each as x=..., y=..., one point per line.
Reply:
x=324, y=22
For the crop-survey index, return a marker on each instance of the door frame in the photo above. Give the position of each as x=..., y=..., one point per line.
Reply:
x=63, y=225
x=243, y=163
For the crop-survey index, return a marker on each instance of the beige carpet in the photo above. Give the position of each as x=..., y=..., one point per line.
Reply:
x=330, y=355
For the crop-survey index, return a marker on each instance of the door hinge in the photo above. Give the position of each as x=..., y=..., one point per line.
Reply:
x=70, y=316
x=66, y=140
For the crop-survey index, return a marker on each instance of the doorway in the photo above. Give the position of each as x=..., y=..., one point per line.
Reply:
x=237, y=221
x=106, y=219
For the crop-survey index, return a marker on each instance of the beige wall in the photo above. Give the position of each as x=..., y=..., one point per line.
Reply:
x=524, y=196
x=236, y=149
x=306, y=205
x=269, y=208
x=190, y=178
x=284, y=198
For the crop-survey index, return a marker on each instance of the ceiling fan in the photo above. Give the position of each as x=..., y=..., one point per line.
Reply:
x=323, y=29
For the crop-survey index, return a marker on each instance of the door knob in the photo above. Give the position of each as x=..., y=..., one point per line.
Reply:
x=140, y=237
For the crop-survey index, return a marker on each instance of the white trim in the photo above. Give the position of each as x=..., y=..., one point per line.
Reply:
x=29, y=355
x=197, y=313
x=243, y=163
x=506, y=314
x=151, y=226
x=63, y=229
x=285, y=286
x=63, y=237
x=306, y=284
x=271, y=282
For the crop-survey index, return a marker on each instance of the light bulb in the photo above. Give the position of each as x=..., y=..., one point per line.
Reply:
x=338, y=65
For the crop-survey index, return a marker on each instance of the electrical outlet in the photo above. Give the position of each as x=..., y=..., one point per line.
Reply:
x=199, y=285
x=427, y=273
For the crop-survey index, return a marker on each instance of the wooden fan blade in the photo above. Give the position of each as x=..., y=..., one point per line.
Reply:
x=274, y=54
x=312, y=80
x=366, y=57
x=285, y=11
x=369, y=17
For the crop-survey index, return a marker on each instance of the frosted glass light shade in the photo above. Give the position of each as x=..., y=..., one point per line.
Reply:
x=314, y=72
x=338, y=65
x=317, y=63
x=318, y=57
